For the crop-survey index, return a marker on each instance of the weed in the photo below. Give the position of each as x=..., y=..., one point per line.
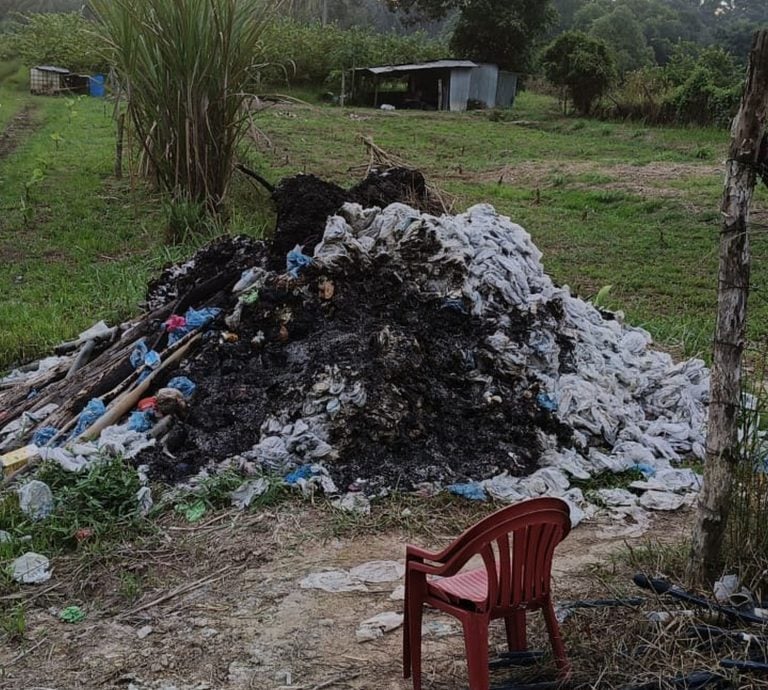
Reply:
x=13, y=622
x=131, y=586
x=93, y=509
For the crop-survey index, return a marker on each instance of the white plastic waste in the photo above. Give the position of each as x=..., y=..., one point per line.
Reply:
x=378, y=571
x=243, y=496
x=333, y=581
x=36, y=499
x=376, y=627
x=661, y=500
x=353, y=502
x=30, y=569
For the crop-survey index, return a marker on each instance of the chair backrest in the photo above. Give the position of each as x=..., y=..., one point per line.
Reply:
x=516, y=544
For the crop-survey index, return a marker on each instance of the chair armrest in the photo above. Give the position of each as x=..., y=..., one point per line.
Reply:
x=416, y=553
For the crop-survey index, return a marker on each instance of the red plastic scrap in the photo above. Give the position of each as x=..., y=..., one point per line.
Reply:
x=174, y=323
x=147, y=404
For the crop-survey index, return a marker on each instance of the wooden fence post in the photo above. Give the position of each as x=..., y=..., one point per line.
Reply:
x=730, y=332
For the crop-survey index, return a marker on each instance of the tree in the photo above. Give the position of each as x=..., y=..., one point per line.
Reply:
x=581, y=64
x=747, y=151
x=501, y=31
x=621, y=30
x=65, y=40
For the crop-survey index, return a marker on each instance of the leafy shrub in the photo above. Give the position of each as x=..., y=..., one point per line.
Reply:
x=699, y=86
x=65, y=40
x=581, y=64
x=316, y=54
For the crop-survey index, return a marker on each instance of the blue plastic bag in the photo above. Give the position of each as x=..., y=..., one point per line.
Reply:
x=546, y=402
x=303, y=472
x=141, y=421
x=43, y=436
x=183, y=384
x=471, y=490
x=196, y=319
x=93, y=410
x=647, y=470
x=297, y=261
x=143, y=356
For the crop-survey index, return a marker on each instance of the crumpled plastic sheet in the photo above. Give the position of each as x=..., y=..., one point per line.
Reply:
x=93, y=410
x=309, y=478
x=378, y=571
x=144, y=500
x=353, y=502
x=13, y=432
x=17, y=376
x=183, y=384
x=244, y=495
x=194, y=319
x=296, y=261
x=31, y=569
x=377, y=626
x=36, y=499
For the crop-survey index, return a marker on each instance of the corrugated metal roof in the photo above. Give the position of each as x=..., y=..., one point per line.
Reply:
x=435, y=64
x=49, y=68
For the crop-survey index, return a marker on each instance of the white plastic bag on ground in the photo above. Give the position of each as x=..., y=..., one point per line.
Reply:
x=376, y=627
x=36, y=499
x=31, y=569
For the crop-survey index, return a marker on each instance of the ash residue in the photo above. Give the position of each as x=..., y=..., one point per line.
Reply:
x=222, y=261
x=424, y=368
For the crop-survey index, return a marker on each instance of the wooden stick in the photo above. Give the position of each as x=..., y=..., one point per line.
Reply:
x=181, y=589
x=124, y=403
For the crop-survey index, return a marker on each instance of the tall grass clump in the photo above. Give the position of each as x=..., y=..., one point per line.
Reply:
x=186, y=67
x=746, y=547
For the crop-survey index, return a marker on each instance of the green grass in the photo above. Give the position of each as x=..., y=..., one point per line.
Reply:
x=608, y=203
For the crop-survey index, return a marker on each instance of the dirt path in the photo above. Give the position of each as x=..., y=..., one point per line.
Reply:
x=245, y=623
x=19, y=126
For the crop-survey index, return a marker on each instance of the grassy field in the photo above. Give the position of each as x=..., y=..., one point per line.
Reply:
x=609, y=204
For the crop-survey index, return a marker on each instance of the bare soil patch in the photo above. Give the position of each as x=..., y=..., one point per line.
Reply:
x=20, y=125
x=244, y=622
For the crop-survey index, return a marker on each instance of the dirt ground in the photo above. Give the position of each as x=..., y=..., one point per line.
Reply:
x=230, y=613
x=20, y=125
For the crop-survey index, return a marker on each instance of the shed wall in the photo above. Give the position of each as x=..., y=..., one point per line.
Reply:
x=459, y=91
x=506, y=89
x=484, y=84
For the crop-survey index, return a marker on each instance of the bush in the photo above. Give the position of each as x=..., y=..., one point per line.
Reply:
x=316, y=54
x=581, y=64
x=65, y=40
x=697, y=86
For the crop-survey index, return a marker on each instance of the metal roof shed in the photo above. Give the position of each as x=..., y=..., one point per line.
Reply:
x=439, y=84
x=46, y=80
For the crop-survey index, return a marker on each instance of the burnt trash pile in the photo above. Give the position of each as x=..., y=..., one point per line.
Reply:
x=372, y=347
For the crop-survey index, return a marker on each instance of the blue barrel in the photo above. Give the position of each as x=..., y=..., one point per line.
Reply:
x=98, y=86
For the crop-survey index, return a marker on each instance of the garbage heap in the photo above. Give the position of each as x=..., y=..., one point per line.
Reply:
x=392, y=350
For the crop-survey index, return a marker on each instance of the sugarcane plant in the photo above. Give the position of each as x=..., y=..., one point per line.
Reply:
x=186, y=68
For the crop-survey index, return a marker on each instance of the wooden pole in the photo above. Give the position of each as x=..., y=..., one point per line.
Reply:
x=119, y=148
x=730, y=331
x=343, y=86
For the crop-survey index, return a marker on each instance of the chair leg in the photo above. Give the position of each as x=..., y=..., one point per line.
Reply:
x=553, y=628
x=517, y=638
x=476, y=645
x=412, y=639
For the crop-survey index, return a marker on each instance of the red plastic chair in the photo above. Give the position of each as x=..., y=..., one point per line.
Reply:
x=515, y=579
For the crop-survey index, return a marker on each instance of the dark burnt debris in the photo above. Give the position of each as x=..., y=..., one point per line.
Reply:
x=421, y=361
